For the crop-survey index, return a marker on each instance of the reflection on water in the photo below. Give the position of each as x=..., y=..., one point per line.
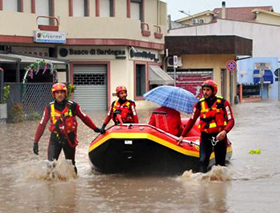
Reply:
x=250, y=183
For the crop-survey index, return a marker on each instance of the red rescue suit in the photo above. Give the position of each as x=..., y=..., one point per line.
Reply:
x=167, y=119
x=212, y=119
x=63, y=122
x=124, y=110
x=62, y=119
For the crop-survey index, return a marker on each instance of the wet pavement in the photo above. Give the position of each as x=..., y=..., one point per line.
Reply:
x=251, y=183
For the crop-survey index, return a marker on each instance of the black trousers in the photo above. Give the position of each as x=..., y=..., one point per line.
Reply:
x=206, y=149
x=55, y=147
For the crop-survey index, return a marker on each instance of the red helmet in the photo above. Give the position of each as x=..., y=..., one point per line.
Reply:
x=120, y=88
x=211, y=84
x=59, y=87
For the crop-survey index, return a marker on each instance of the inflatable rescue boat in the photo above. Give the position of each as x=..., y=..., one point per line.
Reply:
x=130, y=148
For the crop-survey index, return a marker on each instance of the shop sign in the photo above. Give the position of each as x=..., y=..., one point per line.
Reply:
x=64, y=52
x=49, y=37
x=36, y=51
x=143, y=54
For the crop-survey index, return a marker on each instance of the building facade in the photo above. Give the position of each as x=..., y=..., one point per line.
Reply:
x=106, y=42
x=260, y=24
x=204, y=58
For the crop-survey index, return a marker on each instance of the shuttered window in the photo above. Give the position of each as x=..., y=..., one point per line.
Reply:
x=43, y=9
x=80, y=8
x=136, y=9
x=11, y=5
x=106, y=8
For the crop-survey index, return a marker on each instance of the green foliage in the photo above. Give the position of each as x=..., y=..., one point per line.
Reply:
x=34, y=116
x=15, y=113
x=33, y=68
x=6, y=93
x=71, y=89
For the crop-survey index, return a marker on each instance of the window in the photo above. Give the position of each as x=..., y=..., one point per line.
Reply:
x=80, y=8
x=106, y=8
x=140, y=80
x=12, y=5
x=43, y=8
x=136, y=9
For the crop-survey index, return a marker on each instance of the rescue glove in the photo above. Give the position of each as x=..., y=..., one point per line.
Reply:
x=103, y=130
x=36, y=148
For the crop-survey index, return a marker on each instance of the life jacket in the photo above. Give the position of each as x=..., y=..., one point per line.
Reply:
x=124, y=110
x=213, y=119
x=64, y=120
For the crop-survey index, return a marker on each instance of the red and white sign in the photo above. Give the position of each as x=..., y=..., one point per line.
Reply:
x=175, y=61
x=231, y=66
x=193, y=82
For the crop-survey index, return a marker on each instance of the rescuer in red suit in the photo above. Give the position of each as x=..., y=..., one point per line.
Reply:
x=167, y=119
x=63, y=125
x=122, y=110
x=216, y=120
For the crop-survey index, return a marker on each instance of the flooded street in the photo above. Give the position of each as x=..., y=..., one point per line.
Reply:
x=249, y=184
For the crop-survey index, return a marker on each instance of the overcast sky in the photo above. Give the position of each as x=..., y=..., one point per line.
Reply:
x=196, y=6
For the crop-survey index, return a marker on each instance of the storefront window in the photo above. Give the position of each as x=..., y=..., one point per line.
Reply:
x=140, y=80
x=106, y=8
x=136, y=9
x=80, y=8
x=11, y=5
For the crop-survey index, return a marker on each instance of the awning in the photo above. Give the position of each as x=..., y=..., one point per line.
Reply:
x=158, y=76
x=267, y=78
x=11, y=57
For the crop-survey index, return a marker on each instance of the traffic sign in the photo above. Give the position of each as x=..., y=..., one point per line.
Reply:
x=231, y=65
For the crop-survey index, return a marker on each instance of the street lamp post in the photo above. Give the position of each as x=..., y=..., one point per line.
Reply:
x=189, y=15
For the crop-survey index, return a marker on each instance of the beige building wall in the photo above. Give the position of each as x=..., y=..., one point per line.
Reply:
x=206, y=19
x=27, y=6
x=267, y=19
x=89, y=27
x=215, y=62
x=162, y=11
x=61, y=8
x=121, y=8
x=150, y=7
x=92, y=9
x=17, y=23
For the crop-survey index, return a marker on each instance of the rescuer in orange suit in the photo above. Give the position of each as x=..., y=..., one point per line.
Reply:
x=122, y=110
x=167, y=119
x=216, y=120
x=63, y=125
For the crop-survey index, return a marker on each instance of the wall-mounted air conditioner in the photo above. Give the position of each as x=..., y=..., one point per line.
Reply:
x=170, y=62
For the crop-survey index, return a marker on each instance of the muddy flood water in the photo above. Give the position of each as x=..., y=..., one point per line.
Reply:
x=251, y=183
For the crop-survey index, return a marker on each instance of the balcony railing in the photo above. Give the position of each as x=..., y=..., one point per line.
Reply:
x=53, y=21
x=158, y=33
x=145, y=29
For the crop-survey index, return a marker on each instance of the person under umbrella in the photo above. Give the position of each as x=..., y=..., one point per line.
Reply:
x=167, y=119
x=170, y=99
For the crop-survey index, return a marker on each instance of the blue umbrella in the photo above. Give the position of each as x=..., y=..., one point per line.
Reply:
x=172, y=97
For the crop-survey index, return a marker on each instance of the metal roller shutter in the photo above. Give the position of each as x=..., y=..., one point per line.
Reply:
x=91, y=86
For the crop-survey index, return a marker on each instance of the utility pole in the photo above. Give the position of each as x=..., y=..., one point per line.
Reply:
x=175, y=65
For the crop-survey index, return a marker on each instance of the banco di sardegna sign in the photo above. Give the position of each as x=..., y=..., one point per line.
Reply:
x=64, y=52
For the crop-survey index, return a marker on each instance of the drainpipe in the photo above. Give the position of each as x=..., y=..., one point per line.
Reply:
x=224, y=14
